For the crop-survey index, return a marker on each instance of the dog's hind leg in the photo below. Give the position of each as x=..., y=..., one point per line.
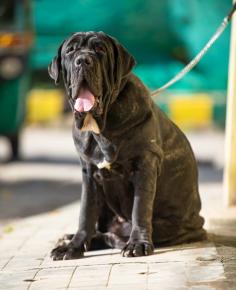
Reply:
x=107, y=240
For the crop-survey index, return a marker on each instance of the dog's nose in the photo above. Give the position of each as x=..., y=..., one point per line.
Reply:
x=83, y=60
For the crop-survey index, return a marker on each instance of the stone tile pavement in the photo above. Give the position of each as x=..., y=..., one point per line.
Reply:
x=25, y=263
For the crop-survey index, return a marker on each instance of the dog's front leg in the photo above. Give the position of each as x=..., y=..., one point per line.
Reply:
x=144, y=182
x=91, y=202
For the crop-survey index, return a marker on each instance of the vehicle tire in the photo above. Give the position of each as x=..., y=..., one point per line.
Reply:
x=14, y=144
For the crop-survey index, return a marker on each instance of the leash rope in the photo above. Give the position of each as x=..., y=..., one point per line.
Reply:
x=199, y=56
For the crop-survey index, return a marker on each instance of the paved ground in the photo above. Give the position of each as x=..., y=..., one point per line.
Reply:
x=39, y=202
x=25, y=261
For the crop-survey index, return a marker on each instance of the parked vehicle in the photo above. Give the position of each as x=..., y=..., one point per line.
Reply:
x=15, y=44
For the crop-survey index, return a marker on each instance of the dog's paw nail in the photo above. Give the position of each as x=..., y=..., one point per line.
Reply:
x=148, y=249
x=86, y=246
x=66, y=257
x=137, y=249
x=128, y=250
x=56, y=256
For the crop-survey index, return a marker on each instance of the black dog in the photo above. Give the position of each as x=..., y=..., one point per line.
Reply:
x=140, y=180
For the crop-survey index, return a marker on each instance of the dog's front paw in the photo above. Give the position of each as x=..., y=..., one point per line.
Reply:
x=137, y=249
x=67, y=252
x=68, y=248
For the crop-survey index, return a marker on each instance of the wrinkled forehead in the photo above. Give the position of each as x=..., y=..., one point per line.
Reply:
x=86, y=39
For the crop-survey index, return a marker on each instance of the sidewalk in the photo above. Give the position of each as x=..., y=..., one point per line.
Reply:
x=33, y=196
x=25, y=262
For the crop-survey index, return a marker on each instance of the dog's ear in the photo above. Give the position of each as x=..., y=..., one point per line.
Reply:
x=54, y=68
x=124, y=60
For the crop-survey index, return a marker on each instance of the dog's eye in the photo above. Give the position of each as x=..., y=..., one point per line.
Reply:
x=99, y=49
x=70, y=49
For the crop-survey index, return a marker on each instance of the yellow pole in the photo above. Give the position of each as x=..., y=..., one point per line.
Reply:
x=230, y=140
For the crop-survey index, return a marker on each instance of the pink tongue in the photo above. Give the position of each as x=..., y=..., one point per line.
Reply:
x=85, y=101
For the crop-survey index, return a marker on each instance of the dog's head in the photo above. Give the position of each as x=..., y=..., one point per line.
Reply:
x=94, y=68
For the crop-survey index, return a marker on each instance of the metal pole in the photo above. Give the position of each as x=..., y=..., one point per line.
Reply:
x=230, y=140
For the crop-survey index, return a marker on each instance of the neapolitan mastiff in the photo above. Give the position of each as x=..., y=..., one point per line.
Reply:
x=140, y=179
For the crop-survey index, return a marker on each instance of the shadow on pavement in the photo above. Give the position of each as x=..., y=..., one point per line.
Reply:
x=31, y=197
x=43, y=160
x=208, y=172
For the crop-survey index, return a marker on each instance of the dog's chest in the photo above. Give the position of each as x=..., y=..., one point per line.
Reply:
x=96, y=148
